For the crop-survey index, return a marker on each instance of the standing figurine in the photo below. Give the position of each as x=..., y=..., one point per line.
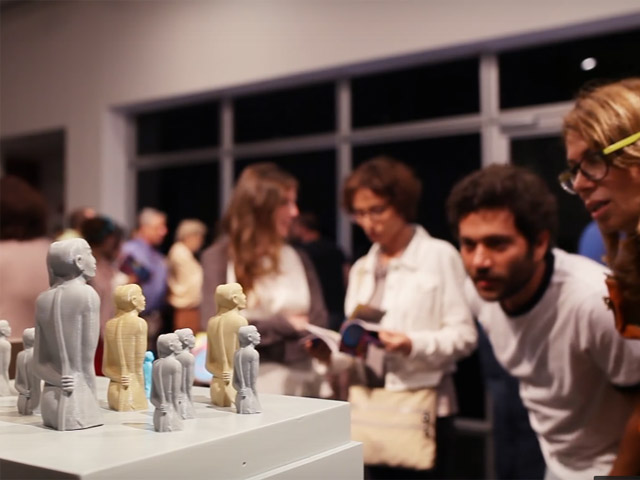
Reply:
x=27, y=383
x=222, y=341
x=246, y=364
x=165, y=388
x=147, y=367
x=125, y=344
x=67, y=330
x=186, y=359
x=5, y=359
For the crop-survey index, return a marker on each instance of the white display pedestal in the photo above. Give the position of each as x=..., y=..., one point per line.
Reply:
x=295, y=438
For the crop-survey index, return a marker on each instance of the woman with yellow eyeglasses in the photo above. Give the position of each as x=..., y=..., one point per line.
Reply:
x=602, y=137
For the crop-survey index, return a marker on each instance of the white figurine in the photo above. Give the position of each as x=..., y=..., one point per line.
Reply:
x=246, y=364
x=222, y=341
x=165, y=387
x=187, y=360
x=67, y=330
x=27, y=383
x=5, y=359
x=125, y=344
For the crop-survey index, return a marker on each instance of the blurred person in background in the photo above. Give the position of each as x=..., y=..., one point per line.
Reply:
x=282, y=288
x=416, y=280
x=185, y=274
x=602, y=138
x=329, y=261
x=74, y=223
x=105, y=239
x=146, y=265
x=23, y=255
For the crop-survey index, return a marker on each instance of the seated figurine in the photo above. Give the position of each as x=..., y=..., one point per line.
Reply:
x=67, y=330
x=6, y=389
x=165, y=387
x=125, y=344
x=27, y=383
x=186, y=359
x=245, y=370
x=222, y=341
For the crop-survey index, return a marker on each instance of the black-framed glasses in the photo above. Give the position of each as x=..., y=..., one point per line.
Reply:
x=594, y=165
x=374, y=213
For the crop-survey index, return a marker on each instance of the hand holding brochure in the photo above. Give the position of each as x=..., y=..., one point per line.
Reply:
x=356, y=334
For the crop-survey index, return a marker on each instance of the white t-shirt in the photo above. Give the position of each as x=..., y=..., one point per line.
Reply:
x=567, y=354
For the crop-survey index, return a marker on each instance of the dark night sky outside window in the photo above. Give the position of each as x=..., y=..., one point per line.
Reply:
x=553, y=73
x=417, y=93
x=285, y=113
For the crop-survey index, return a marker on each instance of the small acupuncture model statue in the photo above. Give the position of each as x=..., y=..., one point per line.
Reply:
x=246, y=364
x=67, y=330
x=5, y=359
x=147, y=367
x=125, y=344
x=165, y=387
x=222, y=341
x=186, y=359
x=27, y=384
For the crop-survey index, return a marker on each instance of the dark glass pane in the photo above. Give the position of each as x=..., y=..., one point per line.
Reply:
x=417, y=93
x=546, y=157
x=439, y=163
x=181, y=192
x=554, y=73
x=316, y=175
x=182, y=128
x=285, y=113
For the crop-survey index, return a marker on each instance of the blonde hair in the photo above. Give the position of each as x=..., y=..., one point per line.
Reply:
x=249, y=222
x=602, y=116
x=190, y=226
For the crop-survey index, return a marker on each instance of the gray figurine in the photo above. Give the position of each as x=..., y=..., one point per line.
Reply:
x=246, y=363
x=27, y=383
x=187, y=360
x=166, y=385
x=6, y=390
x=67, y=330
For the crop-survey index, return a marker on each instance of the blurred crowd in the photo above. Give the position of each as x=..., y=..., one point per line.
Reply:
x=560, y=366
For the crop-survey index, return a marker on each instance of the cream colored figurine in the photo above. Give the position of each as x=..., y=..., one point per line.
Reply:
x=27, y=384
x=222, y=341
x=165, y=387
x=245, y=370
x=67, y=330
x=6, y=389
x=125, y=345
x=186, y=359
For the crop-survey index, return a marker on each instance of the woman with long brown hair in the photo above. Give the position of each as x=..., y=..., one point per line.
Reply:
x=283, y=291
x=602, y=137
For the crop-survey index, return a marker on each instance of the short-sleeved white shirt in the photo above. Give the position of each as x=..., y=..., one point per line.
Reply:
x=567, y=354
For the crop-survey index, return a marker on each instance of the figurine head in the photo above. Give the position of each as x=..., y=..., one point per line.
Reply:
x=5, y=328
x=129, y=297
x=69, y=259
x=230, y=295
x=186, y=337
x=248, y=335
x=168, y=344
x=149, y=356
x=28, y=337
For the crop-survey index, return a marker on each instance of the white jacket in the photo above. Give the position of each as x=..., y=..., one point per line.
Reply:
x=424, y=299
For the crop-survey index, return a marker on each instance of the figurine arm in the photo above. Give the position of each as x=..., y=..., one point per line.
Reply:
x=157, y=392
x=108, y=368
x=5, y=359
x=176, y=384
x=22, y=376
x=43, y=366
x=90, y=334
x=189, y=373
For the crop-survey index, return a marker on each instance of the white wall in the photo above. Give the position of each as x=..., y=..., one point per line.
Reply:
x=69, y=64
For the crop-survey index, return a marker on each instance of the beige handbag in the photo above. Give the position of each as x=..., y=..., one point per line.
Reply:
x=396, y=428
